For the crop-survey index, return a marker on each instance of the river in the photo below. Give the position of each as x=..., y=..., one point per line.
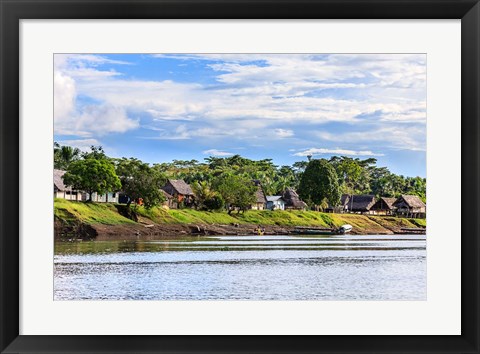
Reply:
x=243, y=268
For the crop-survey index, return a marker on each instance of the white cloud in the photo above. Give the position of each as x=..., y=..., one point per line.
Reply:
x=283, y=133
x=403, y=137
x=87, y=120
x=253, y=95
x=215, y=152
x=64, y=96
x=337, y=151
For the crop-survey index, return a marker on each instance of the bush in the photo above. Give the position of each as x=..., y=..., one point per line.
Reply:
x=214, y=203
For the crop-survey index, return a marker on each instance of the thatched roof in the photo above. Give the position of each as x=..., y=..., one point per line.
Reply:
x=166, y=195
x=260, y=195
x=363, y=202
x=58, y=180
x=181, y=186
x=384, y=203
x=412, y=201
x=344, y=199
x=292, y=199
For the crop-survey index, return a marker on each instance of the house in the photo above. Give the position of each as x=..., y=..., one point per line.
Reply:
x=275, y=202
x=261, y=199
x=358, y=203
x=168, y=199
x=110, y=197
x=384, y=206
x=180, y=191
x=60, y=190
x=410, y=206
x=64, y=192
x=292, y=200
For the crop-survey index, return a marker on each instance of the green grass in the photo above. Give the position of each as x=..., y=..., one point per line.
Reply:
x=106, y=213
x=90, y=213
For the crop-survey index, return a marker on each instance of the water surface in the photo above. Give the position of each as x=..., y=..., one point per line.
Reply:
x=244, y=268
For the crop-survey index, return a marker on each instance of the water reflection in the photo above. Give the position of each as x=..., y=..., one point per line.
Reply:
x=246, y=268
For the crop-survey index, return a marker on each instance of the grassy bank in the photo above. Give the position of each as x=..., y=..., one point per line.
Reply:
x=110, y=214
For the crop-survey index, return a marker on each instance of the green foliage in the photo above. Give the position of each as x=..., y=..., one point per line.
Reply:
x=236, y=191
x=215, y=202
x=206, y=198
x=354, y=175
x=139, y=180
x=64, y=155
x=319, y=183
x=92, y=176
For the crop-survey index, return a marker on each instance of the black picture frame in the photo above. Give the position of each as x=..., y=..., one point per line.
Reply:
x=12, y=11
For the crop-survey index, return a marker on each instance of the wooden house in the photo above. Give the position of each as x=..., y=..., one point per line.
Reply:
x=275, y=202
x=410, y=206
x=353, y=203
x=261, y=199
x=292, y=200
x=168, y=199
x=384, y=206
x=180, y=191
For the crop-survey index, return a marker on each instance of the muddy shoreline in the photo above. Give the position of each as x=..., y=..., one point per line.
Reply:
x=146, y=231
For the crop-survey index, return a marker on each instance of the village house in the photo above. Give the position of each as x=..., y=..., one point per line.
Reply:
x=180, y=191
x=384, y=206
x=410, y=206
x=168, y=199
x=261, y=199
x=64, y=192
x=292, y=200
x=275, y=202
x=60, y=190
x=362, y=203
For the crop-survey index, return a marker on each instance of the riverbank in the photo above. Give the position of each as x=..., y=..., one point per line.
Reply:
x=104, y=221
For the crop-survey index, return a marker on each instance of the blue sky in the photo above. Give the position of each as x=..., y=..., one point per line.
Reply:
x=161, y=107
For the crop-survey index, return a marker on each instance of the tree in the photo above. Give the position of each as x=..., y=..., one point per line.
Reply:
x=319, y=182
x=237, y=191
x=214, y=202
x=92, y=176
x=96, y=152
x=139, y=180
x=64, y=155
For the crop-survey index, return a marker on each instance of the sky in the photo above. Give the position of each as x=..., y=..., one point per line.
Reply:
x=161, y=107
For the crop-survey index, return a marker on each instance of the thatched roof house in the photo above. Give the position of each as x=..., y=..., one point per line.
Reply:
x=180, y=191
x=411, y=205
x=60, y=190
x=176, y=187
x=357, y=203
x=384, y=205
x=261, y=198
x=292, y=200
x=58, y=185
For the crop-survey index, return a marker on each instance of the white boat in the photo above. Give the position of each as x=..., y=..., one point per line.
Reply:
x=345, y=229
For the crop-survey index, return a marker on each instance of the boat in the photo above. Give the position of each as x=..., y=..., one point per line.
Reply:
x=344, y=229
x=303, y=230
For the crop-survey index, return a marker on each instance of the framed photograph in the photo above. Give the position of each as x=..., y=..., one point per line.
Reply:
x=239, y=177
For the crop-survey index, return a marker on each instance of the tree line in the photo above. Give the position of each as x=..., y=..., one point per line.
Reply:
x=227, y=181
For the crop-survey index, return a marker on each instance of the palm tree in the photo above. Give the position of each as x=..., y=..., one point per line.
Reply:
x=64, y=155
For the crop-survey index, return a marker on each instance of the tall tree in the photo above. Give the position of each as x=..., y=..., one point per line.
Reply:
x=236, y=191
x=64, y=155
x=319, y=182
x=139, y=180
x=92, y=176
